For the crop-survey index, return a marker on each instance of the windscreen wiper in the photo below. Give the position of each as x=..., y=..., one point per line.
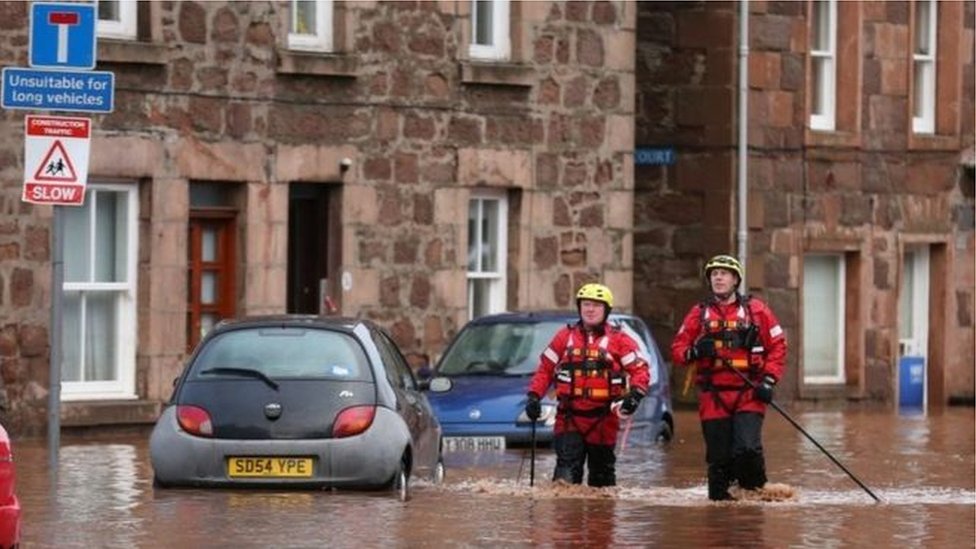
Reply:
x=244, y=372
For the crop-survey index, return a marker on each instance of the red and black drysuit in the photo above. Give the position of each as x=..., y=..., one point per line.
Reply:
x=590, y=370
x=748, y=338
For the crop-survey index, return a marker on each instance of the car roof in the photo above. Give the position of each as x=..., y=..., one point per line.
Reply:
x=291, y=320
x=568, y=316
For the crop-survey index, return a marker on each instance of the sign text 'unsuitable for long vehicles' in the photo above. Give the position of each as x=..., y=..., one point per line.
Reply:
x=55, y=90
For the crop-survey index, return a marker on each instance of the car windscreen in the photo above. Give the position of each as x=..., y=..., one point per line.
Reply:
x=281, y=353
x=503, y=348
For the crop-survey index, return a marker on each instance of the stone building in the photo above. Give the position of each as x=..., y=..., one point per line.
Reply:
x=419, y=163
x=859, y=218
x=371, y=158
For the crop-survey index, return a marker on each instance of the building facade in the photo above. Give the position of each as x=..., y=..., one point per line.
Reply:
x=859, y=202
x=420, y=163
x=411, y=162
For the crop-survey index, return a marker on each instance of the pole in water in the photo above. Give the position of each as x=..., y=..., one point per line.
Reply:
x=626, y=435
x=809, y=437
x=532, y=459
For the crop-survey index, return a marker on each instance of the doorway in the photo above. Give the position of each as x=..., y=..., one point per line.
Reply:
x=313, y=248
x=913, y=328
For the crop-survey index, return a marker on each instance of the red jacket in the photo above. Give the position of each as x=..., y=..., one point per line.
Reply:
x=722, y=391
x=608, y=343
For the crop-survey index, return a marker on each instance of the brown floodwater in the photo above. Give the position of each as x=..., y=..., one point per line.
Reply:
x=922, y=468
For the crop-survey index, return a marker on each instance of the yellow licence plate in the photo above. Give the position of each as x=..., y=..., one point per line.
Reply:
x=269, y=467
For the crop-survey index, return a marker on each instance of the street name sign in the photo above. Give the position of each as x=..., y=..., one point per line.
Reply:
x=56, y=159
x=57, y=90
x=62, y=35
x=654, y=156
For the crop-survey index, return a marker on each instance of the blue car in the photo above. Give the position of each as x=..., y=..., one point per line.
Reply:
x=480, y=405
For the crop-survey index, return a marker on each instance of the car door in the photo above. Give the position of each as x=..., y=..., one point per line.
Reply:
x=412, y=405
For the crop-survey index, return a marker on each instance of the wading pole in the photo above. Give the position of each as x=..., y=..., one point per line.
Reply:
x=532, y=454
x=623, y=441
x=806, y=434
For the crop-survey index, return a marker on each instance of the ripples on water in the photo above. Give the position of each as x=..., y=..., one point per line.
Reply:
x=921, y=468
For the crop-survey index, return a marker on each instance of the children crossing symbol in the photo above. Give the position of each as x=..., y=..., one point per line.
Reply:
x=56, y=166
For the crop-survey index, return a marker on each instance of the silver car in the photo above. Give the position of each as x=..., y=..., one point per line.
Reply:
x=297, y=401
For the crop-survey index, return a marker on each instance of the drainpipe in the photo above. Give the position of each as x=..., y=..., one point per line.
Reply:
x=743, y=234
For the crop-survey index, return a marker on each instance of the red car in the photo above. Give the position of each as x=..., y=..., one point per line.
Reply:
x=9, y=505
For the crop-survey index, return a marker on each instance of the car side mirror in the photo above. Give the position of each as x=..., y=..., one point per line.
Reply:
x=440, y=384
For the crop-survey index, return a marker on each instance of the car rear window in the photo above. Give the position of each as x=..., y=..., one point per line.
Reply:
x=504, y=348
x=285, y=352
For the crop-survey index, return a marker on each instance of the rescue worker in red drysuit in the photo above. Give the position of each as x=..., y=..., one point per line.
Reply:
x=590, y=363
x=727, y=331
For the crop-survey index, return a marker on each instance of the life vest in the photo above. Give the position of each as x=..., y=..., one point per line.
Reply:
x=589, y=372
x=737, y=340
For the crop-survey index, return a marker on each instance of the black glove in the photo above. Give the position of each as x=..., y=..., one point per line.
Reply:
x=630, y=402
x=533, y=408
x=703, y=348
x=764, y=391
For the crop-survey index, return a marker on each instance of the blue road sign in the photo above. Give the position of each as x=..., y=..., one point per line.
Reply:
x=53, y=90
x=654, y=156
x=62, y=35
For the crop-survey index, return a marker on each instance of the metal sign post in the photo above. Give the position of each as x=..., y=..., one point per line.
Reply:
x=61, y=54
x=54, y=395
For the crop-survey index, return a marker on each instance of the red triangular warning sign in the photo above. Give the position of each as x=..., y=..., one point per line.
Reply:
x=56, y=166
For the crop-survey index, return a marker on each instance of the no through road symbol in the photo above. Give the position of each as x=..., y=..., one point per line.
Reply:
x=56, y=159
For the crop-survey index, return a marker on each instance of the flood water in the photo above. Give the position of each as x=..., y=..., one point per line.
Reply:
x=921, y=467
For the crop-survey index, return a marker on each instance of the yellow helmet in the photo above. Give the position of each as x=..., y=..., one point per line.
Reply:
x=723, y=261
x=596, y=292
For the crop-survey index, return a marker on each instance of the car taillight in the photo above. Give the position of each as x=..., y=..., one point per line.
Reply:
x=194, y=420
x=353, y=421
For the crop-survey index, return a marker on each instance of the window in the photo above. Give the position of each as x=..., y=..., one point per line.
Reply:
x=397, y=369
x=923, y=60
x=99, y=310
x=310, y=25
x=487, y=242
x=823, y=318
x=117, y=19
x=490, y=38
x=823, y=68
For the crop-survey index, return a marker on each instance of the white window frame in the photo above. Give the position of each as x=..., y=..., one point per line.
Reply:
x=322, y=40
x=818, y=304
x=125, y=313
x=125, y=27
x=501, y=40
x=923, y=65
x=497, y=279
x=827, y=81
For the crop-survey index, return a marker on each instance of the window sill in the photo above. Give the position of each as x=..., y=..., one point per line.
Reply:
x=933, y=142
x=317, y=64
x=90, y=413
x=831, y=138
x=125, y=51
x=497, y=74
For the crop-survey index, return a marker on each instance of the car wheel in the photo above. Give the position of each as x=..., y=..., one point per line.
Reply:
x=666, y=433
x=437, y=477
x=400, y=483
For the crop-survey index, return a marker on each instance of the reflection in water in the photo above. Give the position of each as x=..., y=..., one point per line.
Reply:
x=922, y=467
